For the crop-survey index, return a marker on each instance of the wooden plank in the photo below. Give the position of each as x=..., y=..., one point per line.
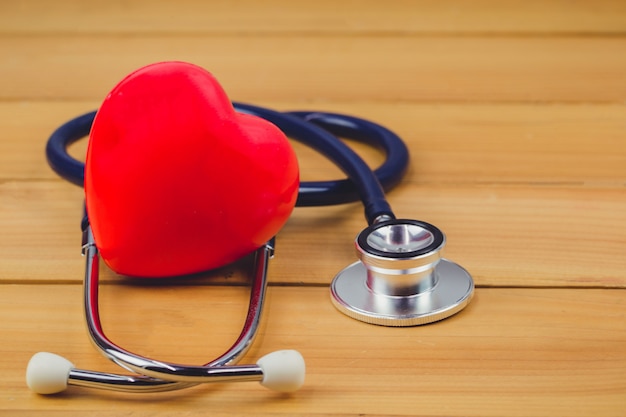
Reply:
x=514, y=352
x=566, y=144
x=41, y=236
x=323, y=16
x=574, y=144
x=505, y=236
x=27, y=126
x=322, y=68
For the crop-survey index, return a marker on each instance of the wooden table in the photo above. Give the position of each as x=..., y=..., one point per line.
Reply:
x=515, y=115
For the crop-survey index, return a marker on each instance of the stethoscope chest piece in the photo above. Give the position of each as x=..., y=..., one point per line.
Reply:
x=401, y=278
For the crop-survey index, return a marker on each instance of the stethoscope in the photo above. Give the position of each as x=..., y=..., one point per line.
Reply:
x=400, y=279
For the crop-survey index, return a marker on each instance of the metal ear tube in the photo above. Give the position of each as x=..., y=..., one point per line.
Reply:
x=401, y=278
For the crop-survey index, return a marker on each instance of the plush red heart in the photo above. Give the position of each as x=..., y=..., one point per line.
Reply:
x=176, y=181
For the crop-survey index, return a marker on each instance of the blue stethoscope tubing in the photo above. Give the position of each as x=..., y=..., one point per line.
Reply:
x=318, y=130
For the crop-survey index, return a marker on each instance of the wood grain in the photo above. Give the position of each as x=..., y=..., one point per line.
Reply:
x=520, y=144
x=506, y=236
x=513, y=112
x=323, y=16
x=515, y=352
x=321, y=68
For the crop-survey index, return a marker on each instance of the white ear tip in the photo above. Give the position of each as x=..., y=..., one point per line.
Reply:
x=47, y=373
x=283, y=370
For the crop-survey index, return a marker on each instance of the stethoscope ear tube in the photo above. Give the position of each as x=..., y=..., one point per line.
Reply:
x=305, y=127
x=58, y=157
x=283, y=370
x=389, y=173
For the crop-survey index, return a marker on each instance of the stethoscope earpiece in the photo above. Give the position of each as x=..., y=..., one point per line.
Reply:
x=401, y=278
x=49, y=373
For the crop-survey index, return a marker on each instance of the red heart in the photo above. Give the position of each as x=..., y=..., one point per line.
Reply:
x=176, y=181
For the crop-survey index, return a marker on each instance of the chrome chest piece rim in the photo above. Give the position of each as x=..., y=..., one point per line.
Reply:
x=401, y=278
